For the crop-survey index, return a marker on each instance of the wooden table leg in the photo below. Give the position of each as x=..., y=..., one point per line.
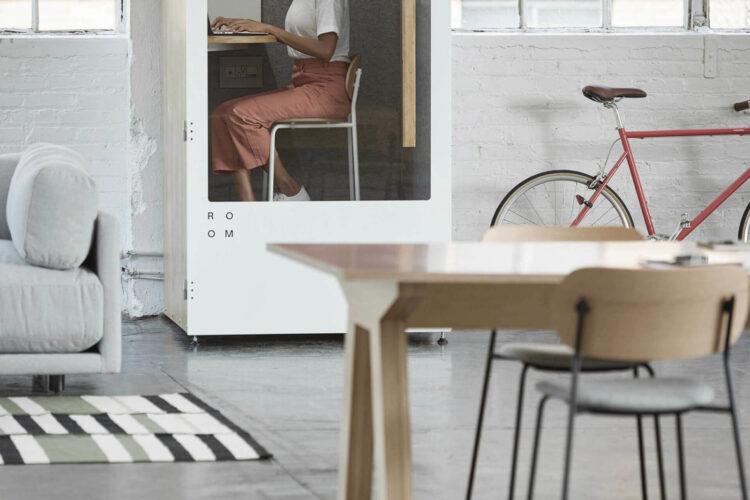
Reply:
x=368, y=303
x=390, y=396
x=355, y=469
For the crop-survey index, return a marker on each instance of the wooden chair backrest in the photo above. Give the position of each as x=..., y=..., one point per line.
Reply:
x=351, y=74
x=510, y=233
x=649, y=314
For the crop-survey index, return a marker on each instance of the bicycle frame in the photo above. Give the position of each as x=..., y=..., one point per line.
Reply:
x=627, y=154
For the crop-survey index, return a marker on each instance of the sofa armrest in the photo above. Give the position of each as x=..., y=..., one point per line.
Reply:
x=8, y=164
x=104, y=260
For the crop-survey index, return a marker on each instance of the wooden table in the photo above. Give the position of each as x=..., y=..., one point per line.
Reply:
x=460, y=285
x=237, y=42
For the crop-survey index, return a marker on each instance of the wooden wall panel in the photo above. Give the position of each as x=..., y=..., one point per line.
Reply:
x=409, y=72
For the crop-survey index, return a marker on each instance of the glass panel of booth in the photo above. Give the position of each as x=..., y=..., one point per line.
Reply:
x=340, y=134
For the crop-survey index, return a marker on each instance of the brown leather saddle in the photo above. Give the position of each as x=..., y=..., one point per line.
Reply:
x=600, y=93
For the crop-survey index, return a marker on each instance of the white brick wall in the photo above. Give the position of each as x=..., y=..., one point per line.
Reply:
x=518, y=110
x=72, y=91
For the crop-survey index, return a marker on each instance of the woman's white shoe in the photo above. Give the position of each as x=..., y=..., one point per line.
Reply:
x=300, y=196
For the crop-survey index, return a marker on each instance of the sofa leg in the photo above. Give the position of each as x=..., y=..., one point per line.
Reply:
x=57, y=383
x=40, y=383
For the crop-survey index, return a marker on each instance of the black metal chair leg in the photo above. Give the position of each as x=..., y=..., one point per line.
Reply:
x=660, y=458
x=659, y=454
x=642, y=458
x=681, y=457
x=733, y=414
x=478, y=435
x=535, y=452
x=517, y=431
x=641, y=453
x=569, y=446
x=738, y=446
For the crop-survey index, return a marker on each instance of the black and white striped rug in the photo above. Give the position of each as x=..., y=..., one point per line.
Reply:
x=119, y=429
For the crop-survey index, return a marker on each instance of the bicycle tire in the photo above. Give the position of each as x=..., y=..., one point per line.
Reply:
x=610, y=192
x=742, y=234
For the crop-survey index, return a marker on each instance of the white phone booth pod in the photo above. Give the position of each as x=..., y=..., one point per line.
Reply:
x=220, y=278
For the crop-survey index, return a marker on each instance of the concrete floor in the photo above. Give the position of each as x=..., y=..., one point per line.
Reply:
x=287, y=392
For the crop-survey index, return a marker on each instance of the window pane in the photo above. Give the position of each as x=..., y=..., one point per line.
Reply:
x=479, y=14
x=15, y=14
x=627, y=13
x=563, y=13
x=78, y=14
x=730, y=14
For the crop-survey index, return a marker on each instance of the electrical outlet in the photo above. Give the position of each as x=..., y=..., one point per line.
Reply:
x=240, y=72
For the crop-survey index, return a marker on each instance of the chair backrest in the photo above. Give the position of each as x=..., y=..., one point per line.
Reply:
x=648, y=314
x=352, y=75
x=510, y=233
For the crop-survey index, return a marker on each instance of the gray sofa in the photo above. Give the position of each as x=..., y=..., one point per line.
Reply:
x=58, y=321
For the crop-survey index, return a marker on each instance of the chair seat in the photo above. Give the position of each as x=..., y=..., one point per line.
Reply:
x=554, y=357
x=290, y=121
x=643, y=395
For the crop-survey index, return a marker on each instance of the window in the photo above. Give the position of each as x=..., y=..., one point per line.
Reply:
x=60, y=15
x=599, y=14
x=729, y=14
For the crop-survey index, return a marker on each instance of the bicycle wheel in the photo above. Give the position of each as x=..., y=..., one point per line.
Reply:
x=744, y=233
x=550, y=199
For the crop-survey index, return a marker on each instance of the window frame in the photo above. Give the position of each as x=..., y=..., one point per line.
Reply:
x=696, y=15
x=119, y=29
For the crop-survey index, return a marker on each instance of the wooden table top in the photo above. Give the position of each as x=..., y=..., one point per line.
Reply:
x=242, y=39
x=474, y=262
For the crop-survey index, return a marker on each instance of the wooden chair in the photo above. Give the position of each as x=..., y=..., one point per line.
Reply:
x=625, y=315
x=353, y=77
x=545, y=357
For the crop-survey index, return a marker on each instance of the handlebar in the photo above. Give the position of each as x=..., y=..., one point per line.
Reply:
x=742, y=106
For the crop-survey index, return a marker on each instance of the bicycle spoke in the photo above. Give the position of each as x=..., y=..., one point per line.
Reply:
x=534, y=208
x=524, y=218
x=602, y=215
x=613, y=219
x=558, y=192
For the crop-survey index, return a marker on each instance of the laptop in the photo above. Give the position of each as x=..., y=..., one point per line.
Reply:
x=225, y=32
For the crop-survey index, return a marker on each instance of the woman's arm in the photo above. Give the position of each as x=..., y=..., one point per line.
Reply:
x=322, y=48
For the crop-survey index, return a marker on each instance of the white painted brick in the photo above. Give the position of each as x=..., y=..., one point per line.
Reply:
x=72, y=91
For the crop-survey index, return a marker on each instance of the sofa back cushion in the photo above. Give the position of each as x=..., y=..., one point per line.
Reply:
x=8, y=164
x=51, y=208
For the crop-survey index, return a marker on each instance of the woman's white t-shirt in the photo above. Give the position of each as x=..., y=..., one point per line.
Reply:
x=312, y=18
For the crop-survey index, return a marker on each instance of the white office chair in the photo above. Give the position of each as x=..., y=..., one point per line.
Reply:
x=353, y=75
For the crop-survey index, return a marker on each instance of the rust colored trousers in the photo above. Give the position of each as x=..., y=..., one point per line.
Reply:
x=240, y=137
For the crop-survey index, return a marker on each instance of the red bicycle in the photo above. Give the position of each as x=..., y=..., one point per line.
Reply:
x=567, y=197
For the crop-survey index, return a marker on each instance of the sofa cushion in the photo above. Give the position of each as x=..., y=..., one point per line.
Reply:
x=51, y=207
x=47, y=310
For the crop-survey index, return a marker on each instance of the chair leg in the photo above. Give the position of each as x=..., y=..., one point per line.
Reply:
x=271, y=163
x=642, y=458
x=569, y=443
x=660, y=458
x=351, y=164
x=517, y=431
x=641, y=453
x=738, y=446
x=659, y=454
x=478, y=435
x=535, y=451
x=355, y=156
x=681, y=457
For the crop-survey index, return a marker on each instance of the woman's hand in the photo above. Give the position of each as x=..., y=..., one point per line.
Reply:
x=232, y=24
